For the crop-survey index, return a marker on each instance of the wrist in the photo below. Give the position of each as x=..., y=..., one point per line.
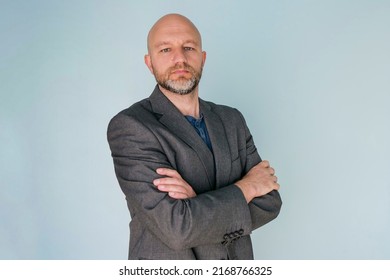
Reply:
x=246, y=190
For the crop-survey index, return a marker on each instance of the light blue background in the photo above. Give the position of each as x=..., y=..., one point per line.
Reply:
x=311, y=78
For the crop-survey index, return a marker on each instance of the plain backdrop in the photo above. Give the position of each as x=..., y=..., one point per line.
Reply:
x=311, y=78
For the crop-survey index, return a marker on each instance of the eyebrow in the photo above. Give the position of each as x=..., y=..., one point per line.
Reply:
x=164, y=43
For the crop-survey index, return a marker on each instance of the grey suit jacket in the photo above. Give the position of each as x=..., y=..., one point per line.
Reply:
x=215, y=224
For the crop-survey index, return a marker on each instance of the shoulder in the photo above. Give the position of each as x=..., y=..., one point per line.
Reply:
x=143, y=106
x=225, y=112
x=130, y=118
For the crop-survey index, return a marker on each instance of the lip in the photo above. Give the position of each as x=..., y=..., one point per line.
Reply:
x=180, y=72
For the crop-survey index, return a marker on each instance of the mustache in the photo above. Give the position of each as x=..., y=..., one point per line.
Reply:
x=182, y=66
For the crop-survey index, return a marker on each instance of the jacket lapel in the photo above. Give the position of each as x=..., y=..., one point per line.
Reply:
x=220, y=145
x=174, y=120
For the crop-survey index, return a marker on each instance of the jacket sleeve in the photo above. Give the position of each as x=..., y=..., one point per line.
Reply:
x=180, y=224
x=267, y=207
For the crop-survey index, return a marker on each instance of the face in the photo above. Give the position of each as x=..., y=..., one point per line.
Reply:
x=175, y=55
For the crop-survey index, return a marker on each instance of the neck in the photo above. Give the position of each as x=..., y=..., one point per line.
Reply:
x=187, y=104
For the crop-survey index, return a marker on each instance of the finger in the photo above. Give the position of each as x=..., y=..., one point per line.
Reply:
x=271, y=171
x=168, y=181
x=172, y=188
x=265, y=163
x=177, y=195
x=168, y=172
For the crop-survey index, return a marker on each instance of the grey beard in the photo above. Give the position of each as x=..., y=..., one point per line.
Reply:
x=179, y=87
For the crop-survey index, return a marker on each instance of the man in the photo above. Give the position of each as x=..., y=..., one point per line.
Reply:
x=194, y=183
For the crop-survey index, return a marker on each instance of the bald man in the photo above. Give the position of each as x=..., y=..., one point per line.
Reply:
x=194, y=182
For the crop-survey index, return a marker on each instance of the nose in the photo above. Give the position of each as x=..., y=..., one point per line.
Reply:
x=179, y=56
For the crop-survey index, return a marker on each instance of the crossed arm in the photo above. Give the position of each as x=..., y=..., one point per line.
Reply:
x=259, y=181
x=189, y=222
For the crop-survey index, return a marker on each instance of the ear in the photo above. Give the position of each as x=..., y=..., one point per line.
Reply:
x=204, y=55
x=148, y=62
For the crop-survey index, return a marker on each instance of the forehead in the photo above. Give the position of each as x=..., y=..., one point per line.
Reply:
x=173, y=31
x=173, y=35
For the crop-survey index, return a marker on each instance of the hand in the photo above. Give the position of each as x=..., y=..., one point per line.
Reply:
x=173, y=184
x=259, y=181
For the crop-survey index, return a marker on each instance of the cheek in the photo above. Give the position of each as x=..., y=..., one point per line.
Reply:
x=157, y=68
x=162, y=73
x=162, y=63
x=196, y=61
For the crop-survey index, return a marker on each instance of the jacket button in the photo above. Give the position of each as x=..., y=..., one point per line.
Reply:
x=226, y=241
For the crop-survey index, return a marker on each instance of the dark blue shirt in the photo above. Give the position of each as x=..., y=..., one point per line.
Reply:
x=200, y=128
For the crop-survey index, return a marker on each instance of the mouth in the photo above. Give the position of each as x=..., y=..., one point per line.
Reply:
x=180, y=72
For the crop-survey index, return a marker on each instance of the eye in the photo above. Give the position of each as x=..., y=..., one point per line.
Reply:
x=189, y=49
x=165, y=50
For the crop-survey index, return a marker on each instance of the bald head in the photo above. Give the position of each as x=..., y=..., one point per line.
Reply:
x=169, y=26
x=175, y=56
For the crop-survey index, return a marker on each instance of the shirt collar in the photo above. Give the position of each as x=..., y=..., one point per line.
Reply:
x=195, y=121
